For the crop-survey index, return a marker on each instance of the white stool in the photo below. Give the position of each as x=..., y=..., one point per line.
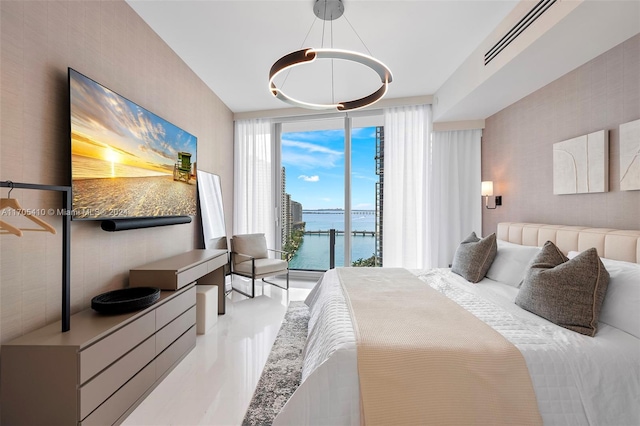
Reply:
x=206, y=307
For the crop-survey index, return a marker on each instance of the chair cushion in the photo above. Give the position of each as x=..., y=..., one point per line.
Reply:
x=263, y=267
x=254, y=245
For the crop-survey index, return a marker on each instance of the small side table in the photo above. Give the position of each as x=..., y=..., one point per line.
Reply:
x=205, y=266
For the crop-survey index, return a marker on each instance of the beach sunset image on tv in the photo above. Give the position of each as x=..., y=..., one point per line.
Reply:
x=126, y=161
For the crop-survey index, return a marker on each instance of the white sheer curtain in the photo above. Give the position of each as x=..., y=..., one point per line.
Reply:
x=406, y=159
x=253, y=200
x=431, y=189
x=455, y=208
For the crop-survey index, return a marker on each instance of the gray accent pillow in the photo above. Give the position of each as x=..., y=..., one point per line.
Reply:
x=566, y=292
x=474, y=256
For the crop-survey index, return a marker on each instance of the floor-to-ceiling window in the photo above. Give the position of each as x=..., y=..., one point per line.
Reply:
x=313, y=166
x=330, y=180
x=367, y=195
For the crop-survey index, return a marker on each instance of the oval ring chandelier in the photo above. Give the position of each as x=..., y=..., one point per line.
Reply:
x=329, y=10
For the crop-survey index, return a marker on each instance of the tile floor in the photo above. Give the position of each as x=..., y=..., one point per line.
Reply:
x=213, y=385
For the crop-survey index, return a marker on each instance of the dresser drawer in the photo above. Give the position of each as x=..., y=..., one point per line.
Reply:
x=101, y=369
x=192, y=274
x=174, y=329
x=97, y=357
x=93, y=393
x=113, y=408
x=216, y=263
x=174, y=352
x=176, y=306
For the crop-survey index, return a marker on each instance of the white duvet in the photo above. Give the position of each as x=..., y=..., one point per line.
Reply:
x=578, y=380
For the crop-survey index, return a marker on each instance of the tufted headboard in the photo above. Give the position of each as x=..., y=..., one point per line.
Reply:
x=610, y=243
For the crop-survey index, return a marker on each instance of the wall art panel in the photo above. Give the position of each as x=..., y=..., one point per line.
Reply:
x=581, y=165
x=630, y=156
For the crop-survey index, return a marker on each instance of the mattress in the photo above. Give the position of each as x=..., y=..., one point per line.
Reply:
x=577, y=379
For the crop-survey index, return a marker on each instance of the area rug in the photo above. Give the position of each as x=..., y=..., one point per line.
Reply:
x=283, y=370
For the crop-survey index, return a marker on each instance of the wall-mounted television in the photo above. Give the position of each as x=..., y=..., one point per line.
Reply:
x=126, y=162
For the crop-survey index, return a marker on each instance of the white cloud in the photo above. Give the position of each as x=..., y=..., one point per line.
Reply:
x=357, y=175
x=309, y=155
x=363, y=132
x=311, y=147
x=314, y=178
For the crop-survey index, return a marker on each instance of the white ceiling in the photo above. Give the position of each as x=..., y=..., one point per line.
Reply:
x=231, y=46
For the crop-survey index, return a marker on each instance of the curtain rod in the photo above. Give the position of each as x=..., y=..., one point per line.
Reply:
x=283, y=114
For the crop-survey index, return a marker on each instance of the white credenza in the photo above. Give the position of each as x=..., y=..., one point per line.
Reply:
x=100, y=370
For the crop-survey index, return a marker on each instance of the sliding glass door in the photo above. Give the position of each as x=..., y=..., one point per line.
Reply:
x=313, y=164
x=329, y=181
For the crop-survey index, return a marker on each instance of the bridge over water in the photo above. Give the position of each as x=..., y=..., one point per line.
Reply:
x=358, y=212
x=363, y=233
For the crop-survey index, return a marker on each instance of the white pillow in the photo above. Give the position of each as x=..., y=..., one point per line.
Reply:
x=621, y=306
x=573, y=254
x=511, y=263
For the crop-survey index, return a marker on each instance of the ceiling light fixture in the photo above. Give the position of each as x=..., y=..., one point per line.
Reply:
x=328, y=10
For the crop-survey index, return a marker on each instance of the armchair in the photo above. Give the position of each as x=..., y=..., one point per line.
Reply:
x=250, y=258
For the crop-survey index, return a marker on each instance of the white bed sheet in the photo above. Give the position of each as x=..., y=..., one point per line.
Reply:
x=578, y=380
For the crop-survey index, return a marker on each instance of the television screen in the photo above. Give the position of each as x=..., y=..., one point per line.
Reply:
x=126, y=162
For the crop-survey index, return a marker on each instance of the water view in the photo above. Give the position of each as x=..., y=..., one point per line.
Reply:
x=314, y=187
x=313, y=254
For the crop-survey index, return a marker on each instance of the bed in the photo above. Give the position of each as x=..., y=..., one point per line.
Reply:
x=577, y=379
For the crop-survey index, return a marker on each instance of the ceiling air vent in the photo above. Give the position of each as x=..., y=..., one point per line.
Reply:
x=517, y=29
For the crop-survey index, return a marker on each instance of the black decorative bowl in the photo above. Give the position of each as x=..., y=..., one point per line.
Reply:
x=125, y=300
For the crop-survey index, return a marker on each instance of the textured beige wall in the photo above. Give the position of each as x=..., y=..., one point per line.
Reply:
x=109, y=42
x=517, y=144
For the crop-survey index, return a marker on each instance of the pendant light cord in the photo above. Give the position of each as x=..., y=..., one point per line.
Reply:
x=333, y=94
x=358, y=35
x=324, y=23
x=308, y=32
x=333, y=88
x=301, y=46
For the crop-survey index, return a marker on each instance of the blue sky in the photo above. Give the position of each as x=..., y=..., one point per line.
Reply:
x=314, y=163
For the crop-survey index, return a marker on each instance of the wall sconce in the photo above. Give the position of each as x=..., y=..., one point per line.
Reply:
x=487, y=191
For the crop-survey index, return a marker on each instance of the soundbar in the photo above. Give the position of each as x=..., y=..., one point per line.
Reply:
x=112, y=225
